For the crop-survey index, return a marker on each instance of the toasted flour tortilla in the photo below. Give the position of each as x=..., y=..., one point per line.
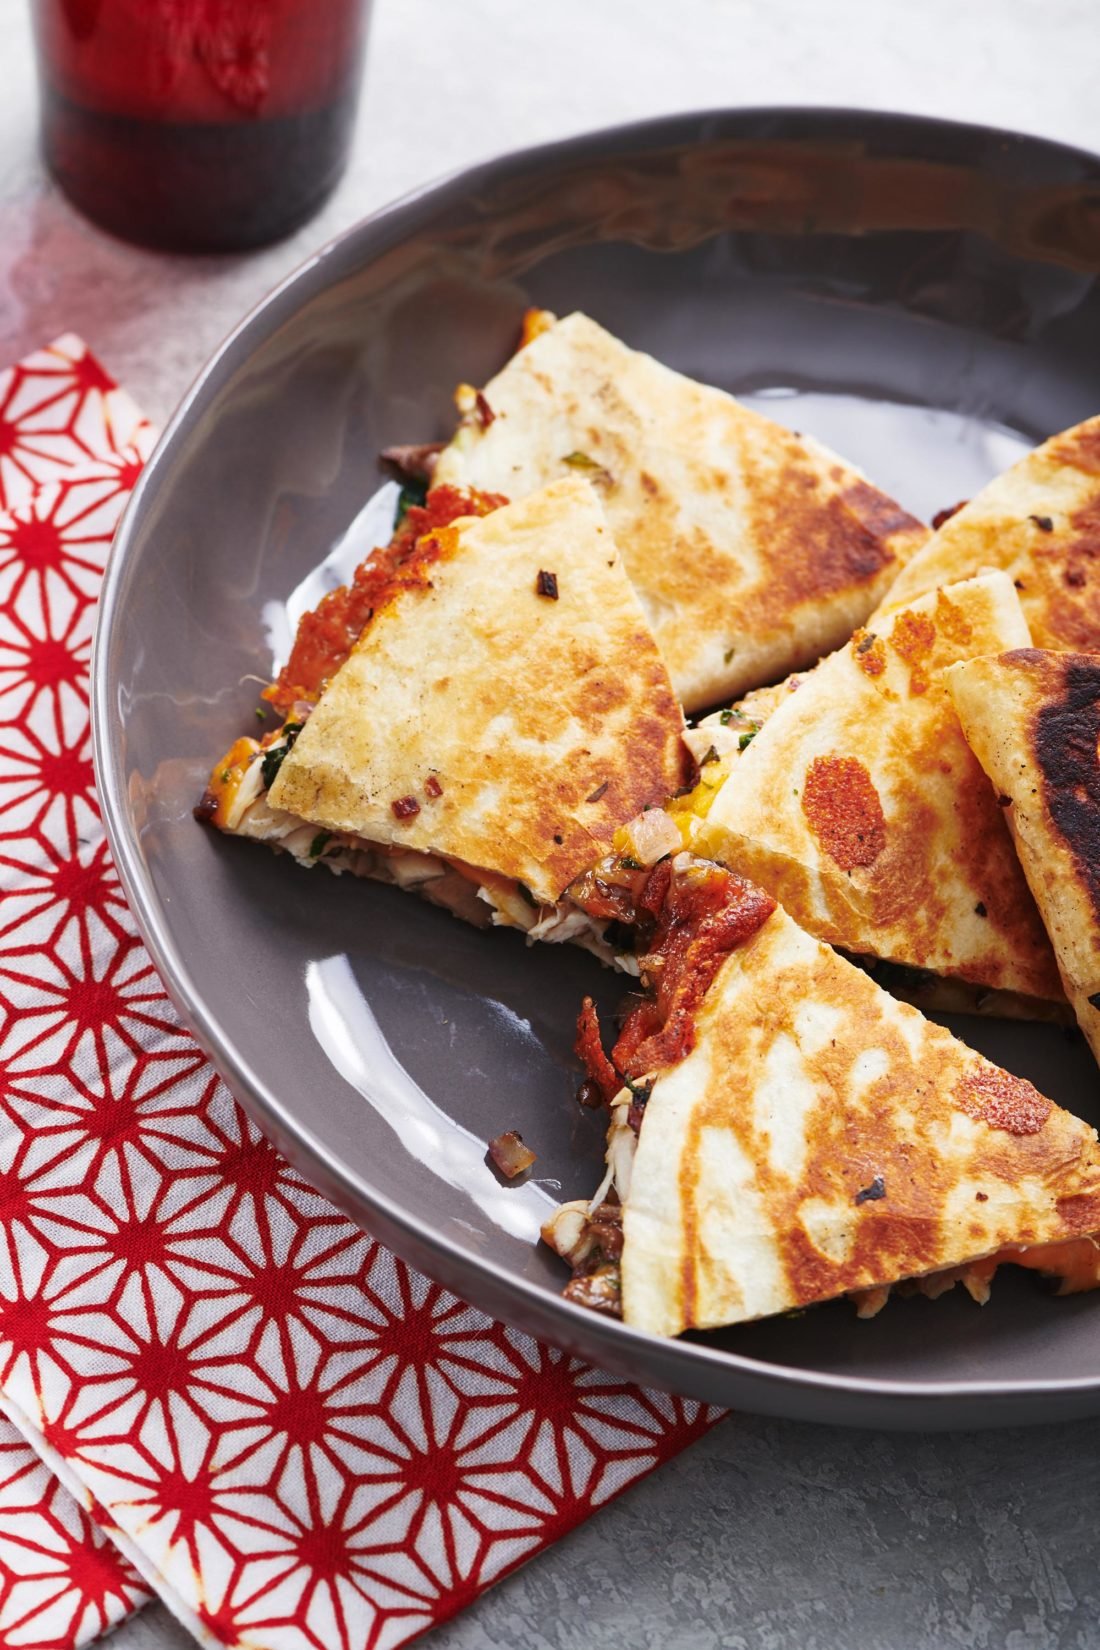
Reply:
x=860, y=806
x=1040, y=523
x=821, y=1138
x=753, y=550
x=486, y=723
x=1032, y=719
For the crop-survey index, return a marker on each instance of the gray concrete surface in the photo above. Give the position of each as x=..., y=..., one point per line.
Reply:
x=767, y=1536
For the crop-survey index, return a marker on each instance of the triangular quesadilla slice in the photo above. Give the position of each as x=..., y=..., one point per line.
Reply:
x=1040, y=523
x=860, y=806
x=1033, y=721
x=504, y=709
x=783, y=1132
x=753, y=550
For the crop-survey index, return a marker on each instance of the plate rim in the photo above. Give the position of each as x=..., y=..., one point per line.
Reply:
x=764, y=1387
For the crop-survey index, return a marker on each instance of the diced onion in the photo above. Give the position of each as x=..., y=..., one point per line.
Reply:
x=509, y=1153
x=652, y=835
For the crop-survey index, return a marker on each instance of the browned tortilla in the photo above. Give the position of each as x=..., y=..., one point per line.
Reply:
x=1040, y=523
x=1033, y=720
x=860, y=806
x=485, y=720
x=823, y=1138
x=753, y=550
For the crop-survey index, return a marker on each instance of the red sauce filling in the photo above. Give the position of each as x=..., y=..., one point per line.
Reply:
x=705, y=915
x=701, y=916
x=843, y=811
x=327, y=635
x=589, y=1049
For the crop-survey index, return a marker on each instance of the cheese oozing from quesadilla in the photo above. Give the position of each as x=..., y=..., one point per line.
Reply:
x=1032, y=719
x=784, y=1132
x=859, y=805
x=502, y=712
x=1040, y=523
x=753, y=550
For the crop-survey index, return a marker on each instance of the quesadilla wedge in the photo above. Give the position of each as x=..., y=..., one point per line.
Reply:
x=753, y=550
x=783, y=1132
x=1040, y=523
x=503, y=710
x=860, y=806
x=1033, y=721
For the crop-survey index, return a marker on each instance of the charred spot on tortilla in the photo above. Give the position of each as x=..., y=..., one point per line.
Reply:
x=547, y=584
x=844, y=812
x=1003, y=1101
x=1066, y=740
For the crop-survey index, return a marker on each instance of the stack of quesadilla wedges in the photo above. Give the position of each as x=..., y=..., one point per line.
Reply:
x=494, y=719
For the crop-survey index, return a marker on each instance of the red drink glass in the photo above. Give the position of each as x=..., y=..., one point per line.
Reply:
x=199, y=125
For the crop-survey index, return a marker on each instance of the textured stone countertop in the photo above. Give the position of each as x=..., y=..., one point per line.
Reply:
x=766, y=1536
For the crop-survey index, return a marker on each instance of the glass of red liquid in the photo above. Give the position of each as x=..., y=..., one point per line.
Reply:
x=199, y=125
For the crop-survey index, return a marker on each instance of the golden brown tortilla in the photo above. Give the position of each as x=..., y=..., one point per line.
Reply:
x=823, y=1138
x=860, y=806
x=1033, y=720
x=754, y=551
x=1040, y=523
x=487, y=723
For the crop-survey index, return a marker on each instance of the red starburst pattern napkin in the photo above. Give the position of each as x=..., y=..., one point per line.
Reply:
x=62, y=1582
x=298, y=1442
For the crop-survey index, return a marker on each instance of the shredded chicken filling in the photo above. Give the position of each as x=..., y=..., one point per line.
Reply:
x=236, y=802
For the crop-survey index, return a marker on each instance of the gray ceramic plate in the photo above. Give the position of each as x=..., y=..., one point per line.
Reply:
x=923, y=297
